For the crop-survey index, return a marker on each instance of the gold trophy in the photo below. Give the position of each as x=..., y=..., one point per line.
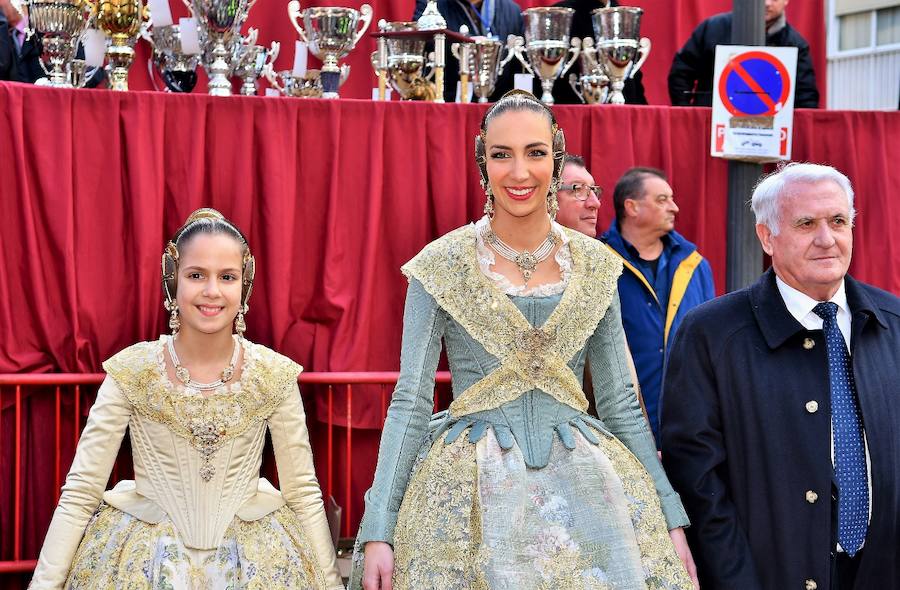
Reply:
x=121, y=20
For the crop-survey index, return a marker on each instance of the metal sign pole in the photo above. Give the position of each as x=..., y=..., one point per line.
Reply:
x=743, y=254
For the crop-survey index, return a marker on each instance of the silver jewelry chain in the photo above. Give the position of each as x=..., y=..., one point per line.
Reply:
x=525, y=260
x=185, y=376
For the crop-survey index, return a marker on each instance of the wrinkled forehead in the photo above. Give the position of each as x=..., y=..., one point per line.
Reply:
x=576, y=173
x=824, y=198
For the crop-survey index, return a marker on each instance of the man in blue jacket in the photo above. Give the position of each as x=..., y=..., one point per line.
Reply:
x=664, y=275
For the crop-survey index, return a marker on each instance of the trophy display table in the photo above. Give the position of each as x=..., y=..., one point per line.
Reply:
x=334, y=196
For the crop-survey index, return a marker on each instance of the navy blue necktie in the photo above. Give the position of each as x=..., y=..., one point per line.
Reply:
x=846, y=424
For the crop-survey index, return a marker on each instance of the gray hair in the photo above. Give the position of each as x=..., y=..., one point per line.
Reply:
x=770, y=189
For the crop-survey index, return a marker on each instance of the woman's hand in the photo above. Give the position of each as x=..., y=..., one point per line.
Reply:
x=380, y=565
x=683, y=551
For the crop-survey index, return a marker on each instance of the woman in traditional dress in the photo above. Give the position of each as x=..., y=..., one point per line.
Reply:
x=516, y=486
x=197, y=404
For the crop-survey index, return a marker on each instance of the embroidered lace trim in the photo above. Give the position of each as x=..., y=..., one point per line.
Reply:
x=207, y=423
x=531, y=357
x=486, y=260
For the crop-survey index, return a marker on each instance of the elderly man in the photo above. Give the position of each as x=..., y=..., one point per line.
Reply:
x=693, y=64
x=579, y=197
x=664, y=275
x=782, y=406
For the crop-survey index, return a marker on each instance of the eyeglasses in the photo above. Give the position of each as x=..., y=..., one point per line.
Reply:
x=582, y=191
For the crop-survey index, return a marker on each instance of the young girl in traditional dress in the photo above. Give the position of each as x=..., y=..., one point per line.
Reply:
x=197, y=404
x=516, y=486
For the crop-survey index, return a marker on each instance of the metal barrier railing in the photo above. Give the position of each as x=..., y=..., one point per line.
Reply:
x=59, y=381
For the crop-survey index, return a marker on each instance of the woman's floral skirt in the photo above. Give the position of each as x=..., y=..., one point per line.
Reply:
x=475, y=517
x=122, y=552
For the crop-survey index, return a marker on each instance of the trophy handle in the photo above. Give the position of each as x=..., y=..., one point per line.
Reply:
x=505, y=59
x=516, y=44
x=269, y=73
x=575, y=49
x=575, y=83
x=251, y=36
x=365, y=16
x=272, y=53
x=345, y=73
x=454, y=51
x=295, y=15
x=644, y=48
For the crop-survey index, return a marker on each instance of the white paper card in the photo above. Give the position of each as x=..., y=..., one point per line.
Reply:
x=94, y=43
x=523, y=82
x=300, y=54
x=160, y=14
x=272, y=92
x=190, y=38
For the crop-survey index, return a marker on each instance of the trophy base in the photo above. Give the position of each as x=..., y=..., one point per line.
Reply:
x=331, y=81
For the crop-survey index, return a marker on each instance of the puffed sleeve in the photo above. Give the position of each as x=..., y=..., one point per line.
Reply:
x=81, y=495
x=297, y=479
x=408, y=415
x=618, y=407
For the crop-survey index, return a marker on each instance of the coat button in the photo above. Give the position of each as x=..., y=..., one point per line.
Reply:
x=811, y=496
x=811, y=585
x=808, y=343
x=812, y=406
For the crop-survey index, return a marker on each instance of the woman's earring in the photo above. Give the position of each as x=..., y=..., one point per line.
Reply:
x=489, y=201
x=174, y=320
x=239, y=326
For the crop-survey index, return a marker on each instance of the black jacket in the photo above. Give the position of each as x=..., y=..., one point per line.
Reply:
x=694, y=63
x=7, y=51
x=583, y=26
x=507, y=21
x=746, y=431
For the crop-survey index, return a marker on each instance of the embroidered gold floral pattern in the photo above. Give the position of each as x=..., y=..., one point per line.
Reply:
x=210, y=422
x=530, y=357
x=121, y=552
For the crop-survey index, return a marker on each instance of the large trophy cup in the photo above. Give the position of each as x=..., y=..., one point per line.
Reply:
x=402, y=62
x=219, y=22
x=621, y=48
x=483, y=61
x=177, y=69
x=250, y=59
x=546, y=45
x=331, y=33
x=62, y=23
x=592, y=86
x=121, y=20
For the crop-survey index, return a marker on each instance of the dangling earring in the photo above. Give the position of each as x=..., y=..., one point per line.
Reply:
x=239, y=326
x=552, y=200
x=174, y=320
x=489, y=201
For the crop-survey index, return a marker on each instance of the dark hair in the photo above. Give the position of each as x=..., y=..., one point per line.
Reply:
x=517, y=100
x=631, y=186
x=208, y=221
x=573, y=159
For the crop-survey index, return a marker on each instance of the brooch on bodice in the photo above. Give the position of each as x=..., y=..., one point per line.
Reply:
x=532, y=348
x=206, y=436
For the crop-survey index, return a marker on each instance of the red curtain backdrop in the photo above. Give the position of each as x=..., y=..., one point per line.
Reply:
x=667, y=23
x=334, y=196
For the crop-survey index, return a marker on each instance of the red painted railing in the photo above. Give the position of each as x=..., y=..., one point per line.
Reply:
x=71, y=383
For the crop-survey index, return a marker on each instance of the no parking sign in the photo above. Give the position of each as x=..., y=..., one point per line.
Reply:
x=753, y=102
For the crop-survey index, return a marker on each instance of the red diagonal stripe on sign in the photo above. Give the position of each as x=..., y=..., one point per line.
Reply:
x=748, y=79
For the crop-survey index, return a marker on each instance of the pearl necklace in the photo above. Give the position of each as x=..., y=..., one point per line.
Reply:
x=185, y=376
x=525, y=260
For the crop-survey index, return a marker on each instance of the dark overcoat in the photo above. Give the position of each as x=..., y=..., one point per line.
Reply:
x=746, y=431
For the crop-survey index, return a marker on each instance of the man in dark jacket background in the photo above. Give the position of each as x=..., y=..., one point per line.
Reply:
x=781, y=408
x=663, y=278
x=691, y=75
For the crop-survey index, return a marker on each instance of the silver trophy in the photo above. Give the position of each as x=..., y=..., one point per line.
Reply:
x=249, y=59
x=218, y=22
x=177, y=69
x=546, y=46
x=331, y=33
x=592, y=85
x=309, y=85
x=404, y=62
x=483, y=61
x=62, y=23
x=620, y=46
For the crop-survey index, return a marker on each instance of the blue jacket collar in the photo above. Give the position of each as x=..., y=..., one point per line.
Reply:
x=679, y=246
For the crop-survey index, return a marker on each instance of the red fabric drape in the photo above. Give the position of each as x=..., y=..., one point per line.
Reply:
x=334, y=196
x=667, y=23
